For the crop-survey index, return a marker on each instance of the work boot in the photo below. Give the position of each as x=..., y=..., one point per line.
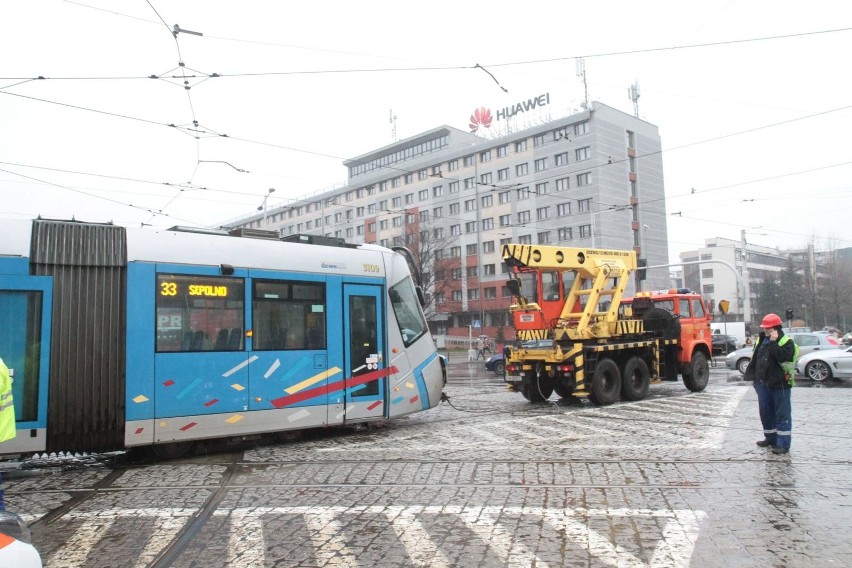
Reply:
x=763, y=443
x=777, y=450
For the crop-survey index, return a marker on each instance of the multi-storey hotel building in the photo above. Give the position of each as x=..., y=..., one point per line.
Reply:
x=593, y=179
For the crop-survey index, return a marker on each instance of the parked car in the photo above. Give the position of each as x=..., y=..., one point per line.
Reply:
x=824, y=365
x=498, y=365
x=495, y=363
x=723, y=343
x=807, y=342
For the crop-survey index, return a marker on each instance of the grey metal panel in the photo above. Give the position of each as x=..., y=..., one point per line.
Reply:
x=87, y=364
x=78, y=244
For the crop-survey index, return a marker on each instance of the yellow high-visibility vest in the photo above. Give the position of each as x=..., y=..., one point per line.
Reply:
x=7, y=408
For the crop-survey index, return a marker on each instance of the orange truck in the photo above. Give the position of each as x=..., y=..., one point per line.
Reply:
x=577, y=335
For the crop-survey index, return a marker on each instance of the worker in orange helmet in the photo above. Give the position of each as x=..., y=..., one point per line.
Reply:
x=771, y=369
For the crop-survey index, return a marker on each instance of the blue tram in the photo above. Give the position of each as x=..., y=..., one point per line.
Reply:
x=124, y=337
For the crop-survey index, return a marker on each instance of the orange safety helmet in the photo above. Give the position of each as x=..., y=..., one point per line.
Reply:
x=770, y=320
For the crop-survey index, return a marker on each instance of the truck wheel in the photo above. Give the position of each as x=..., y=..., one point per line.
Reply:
x=635, y=379
x=539, y=388
x=696, y=376
x=606, y=382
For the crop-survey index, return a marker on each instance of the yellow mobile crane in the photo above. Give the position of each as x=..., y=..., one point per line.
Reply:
x=577, y=335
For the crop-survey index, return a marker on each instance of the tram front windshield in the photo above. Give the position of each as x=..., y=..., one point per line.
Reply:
x=409, y=316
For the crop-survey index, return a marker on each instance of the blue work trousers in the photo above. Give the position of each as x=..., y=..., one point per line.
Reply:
x=775, y=414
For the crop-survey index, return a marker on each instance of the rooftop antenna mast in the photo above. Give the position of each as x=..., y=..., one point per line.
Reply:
x=393, y=122
x=633, y=93
x=581, y=72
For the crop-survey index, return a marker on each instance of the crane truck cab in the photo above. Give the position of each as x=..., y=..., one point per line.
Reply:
x=603, y=345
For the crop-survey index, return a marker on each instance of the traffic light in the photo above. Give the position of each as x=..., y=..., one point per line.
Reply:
x=641, y=263
x=789, y=314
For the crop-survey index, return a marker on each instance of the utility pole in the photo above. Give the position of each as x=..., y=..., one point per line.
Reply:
x=747, y=291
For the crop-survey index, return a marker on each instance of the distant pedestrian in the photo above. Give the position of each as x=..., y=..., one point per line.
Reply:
x=7, y=415
x=771, y=369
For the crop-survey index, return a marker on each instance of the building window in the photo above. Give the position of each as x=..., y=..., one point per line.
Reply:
x=423, y=194
x=470, y=250
x=581, y=128
x=436, y=170
x=455, y=274
x=438, y=191
x=585, y=231
x=371, y=227
x=468, y=161
x=581, y=154
x=473, y=293
x=409, y=198
x=523, y=193
x=371, y=208
x=542, y=213
x=706, y=273
x=424, y=216
x=485, y=178
x=397, y=221
x=487, y=201
x=541, y=164
x=561, y=159
x=454, y=187
x=523, y=217
x=503, y=197
x=522, y=169
x=469, y=183
x=359, y=212
x=505, y=220
x=457, y=295
x=488, y=270
x=541, y=188
x=521, y=145
x=708, y=289
x=544, y=238
x=487, y=246
x=470, y=205
x=485, y=156
x=566, y=234
x=409, y=178
x=525, y=239
x=584, y=179
x=453, y=165
x=538, y=140
x=455, y=252
x=455, y=230
x=470, y=227
x=584, y=205
x=438, y=233
x=383, y=225
x=383, y=186
x=631, y=139
x=396, y=202
x=490, y=293
x=438, y=212
x=502, y=151
x=563, y=209
x=422, y=174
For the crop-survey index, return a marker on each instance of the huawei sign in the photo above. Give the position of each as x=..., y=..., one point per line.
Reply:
x=480, y=117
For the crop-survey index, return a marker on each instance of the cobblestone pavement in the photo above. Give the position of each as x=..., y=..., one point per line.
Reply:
x=673, y=480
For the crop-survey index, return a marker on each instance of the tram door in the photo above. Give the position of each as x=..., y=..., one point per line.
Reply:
x=364, y=357
x=25, y=302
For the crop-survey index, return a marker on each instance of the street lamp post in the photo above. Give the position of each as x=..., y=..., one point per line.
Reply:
x=262, y=206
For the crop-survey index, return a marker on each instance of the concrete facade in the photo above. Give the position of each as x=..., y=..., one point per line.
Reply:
x=591, y=179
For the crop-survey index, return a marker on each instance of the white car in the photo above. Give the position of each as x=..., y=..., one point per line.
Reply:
x=824, y=365
x=807, y=342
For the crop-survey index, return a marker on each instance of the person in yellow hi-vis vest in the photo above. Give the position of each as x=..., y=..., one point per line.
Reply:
x=7, y=415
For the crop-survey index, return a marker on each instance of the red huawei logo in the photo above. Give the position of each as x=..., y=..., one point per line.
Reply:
x=480, y=117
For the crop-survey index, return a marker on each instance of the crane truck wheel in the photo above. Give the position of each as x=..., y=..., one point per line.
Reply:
x=539, y=388
x=606, y=382
x=635, y=379
x=697, y=373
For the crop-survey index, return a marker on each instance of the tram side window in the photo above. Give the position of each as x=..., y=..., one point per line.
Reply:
x=288, y=314
x=199, y=313
x=406, y=308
